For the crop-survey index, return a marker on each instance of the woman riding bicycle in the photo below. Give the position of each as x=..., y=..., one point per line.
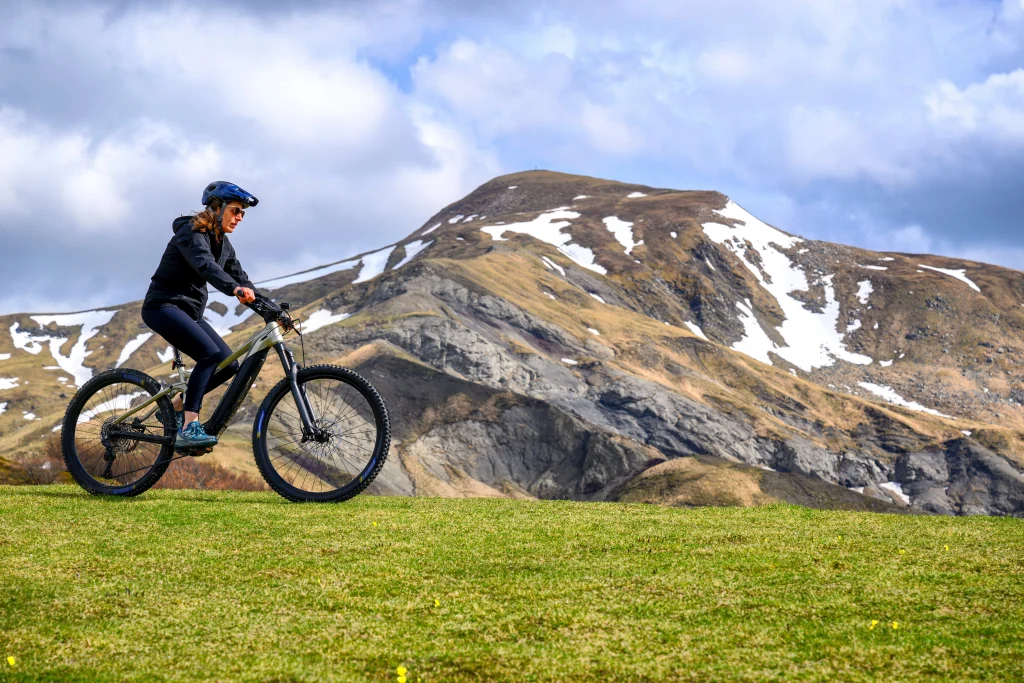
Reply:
x=199, y=253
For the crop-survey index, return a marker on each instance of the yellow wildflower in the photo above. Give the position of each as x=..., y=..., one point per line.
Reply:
x=401, y=679
x=874, y=623
x=895, y=625
x=902, y=551
x=947, y=547
x=10, y=660
x=375, y=523
x=437, y=603
x=401, y=671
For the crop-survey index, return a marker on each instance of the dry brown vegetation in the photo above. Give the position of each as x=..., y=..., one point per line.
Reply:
x=193, y=473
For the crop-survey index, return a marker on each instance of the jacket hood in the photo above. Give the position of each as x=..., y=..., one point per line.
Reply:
x=178, y=222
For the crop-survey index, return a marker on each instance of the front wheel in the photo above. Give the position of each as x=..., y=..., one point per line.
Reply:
x=351, y=445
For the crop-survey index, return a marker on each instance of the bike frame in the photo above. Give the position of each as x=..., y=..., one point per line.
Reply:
x=252, y=354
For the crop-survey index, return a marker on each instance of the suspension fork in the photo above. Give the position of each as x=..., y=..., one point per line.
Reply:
x=291, y=370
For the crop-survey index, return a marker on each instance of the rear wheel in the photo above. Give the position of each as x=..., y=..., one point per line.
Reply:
x=343, y=457
x=98, y=454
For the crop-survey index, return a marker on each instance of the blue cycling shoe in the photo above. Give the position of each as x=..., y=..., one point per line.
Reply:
x=193, y=436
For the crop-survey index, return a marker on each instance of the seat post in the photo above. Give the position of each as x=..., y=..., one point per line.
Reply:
x=178, y=364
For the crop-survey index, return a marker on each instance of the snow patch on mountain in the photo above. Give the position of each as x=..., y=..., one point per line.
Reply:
x=8, y=382
x=131, y=347
x=635, y=195
x=321, y=318
x=165, y=355
x=547, y=227
x=26, y=341
x=812, y=338
x=755, y=343
x=74, y=362
x=864, y=290
x=693, y=327
x=623, y=232
x=959, y=274
x=552, y=265
x=890, y=395
x=896, y=488
x=373, y=264
x=411, y=249
x=4, y=356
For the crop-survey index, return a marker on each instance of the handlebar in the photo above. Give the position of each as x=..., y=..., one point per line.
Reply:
x=270, y=311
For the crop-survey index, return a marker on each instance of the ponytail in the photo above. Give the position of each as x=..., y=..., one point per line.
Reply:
x=209, y=220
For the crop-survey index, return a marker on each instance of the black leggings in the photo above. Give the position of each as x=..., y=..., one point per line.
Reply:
x=198, y=341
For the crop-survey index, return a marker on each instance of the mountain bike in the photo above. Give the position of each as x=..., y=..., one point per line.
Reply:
x=321, y=434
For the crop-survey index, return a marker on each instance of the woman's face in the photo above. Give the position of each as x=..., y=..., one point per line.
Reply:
x=233, y=213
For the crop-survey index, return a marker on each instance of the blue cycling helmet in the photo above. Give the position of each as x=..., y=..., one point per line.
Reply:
x=227, y=192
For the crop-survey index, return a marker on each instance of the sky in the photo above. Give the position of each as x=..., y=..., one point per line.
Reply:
x=884, y=124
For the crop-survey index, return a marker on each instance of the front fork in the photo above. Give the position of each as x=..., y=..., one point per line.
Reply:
x=310, y=432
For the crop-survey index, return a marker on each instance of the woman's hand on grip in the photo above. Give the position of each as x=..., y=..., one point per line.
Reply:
x=245, y=295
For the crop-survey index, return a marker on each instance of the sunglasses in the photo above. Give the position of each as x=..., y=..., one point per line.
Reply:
x=237, y=211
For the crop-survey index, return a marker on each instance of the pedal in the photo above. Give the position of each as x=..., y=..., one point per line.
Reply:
x=195, y=452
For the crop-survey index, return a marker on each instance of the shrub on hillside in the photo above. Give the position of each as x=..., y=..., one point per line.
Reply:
x=48, y=464
x=193, y=473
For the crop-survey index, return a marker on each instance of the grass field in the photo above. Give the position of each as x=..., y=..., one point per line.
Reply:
x=243, y=586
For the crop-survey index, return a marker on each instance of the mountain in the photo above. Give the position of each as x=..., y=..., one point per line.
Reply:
x=560, y=336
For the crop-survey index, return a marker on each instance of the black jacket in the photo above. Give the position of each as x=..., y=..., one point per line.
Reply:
x=190, y=260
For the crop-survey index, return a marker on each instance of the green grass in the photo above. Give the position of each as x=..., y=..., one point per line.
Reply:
x=243, y=586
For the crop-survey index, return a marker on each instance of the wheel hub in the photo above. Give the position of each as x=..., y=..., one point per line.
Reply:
x=118, y=445
x=318, y=435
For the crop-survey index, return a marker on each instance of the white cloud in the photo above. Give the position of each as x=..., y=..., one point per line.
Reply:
x=992, y=109
x=827, y=143
x=727, y=63
x=94, y=183
x=608, y=131
x=499, y=91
